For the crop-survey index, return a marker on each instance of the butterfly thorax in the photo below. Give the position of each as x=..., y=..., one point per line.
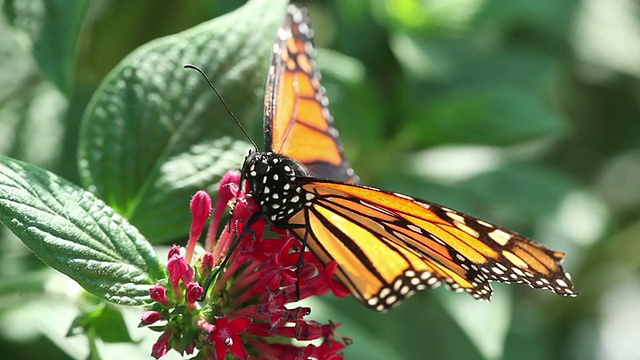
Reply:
x=271, y=178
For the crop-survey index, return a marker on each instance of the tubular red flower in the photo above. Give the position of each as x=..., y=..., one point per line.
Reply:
x=162, y=345
x=149, y=317
x=174, y=251
x=194, y=291
x=226, y=336
x=324, y=282
x=200, y=209
x=206, y=265
x=248, y=309
x=227, y=190
x=179, y=270
x=159, y=294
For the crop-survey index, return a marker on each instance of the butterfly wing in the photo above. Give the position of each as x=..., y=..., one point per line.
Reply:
x=389, y=245
x=297, y=120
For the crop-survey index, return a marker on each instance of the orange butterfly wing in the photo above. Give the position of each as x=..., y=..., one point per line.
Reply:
x=297, y=120
x=389, y=245
x=386, y=245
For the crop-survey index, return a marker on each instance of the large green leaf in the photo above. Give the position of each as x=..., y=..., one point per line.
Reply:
x=77, y=234
x=485, y=323
x=53, y=28
x=494, y=116
x=155, y=133
x=522, y=191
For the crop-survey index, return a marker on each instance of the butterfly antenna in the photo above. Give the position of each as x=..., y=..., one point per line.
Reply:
x=193, y=67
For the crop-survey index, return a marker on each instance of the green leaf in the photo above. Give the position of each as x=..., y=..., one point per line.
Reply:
x=38, y=325
x=523, y=191
x=439, y=66
x=545, y=17
x=352, y=97
x=53, y=27
x=104, y=321
x=485, y=323
x=155, y=133
x=23, y=283
x=77, y=234
x=494, y=116
x=367, y=345
x=427, y=16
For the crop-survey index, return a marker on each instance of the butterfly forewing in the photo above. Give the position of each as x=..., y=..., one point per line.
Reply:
x=297, y=120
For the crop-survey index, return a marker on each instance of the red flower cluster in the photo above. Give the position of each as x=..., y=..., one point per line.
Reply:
x=248, y=305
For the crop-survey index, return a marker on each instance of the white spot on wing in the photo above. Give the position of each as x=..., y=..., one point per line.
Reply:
x=485, y=224
x=499, y=236
x=454, y=216
x=467, y=229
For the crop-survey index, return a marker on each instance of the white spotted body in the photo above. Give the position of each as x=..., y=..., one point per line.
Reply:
x=271, y=179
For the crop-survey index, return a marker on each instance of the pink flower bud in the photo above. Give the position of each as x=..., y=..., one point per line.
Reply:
x=174, y=251
x=194, y=291
x=162, y=346
x=159, y=294
x=149, y=317
x=200, y=209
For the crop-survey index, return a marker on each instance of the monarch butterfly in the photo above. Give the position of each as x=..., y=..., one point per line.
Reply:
x=387, y=245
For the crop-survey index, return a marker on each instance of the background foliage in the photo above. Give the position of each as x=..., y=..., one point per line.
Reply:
x=523, y=113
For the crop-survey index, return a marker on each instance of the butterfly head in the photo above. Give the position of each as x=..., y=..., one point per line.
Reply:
x=272, y=184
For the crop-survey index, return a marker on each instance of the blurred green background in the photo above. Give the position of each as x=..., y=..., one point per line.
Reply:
x=524, y=113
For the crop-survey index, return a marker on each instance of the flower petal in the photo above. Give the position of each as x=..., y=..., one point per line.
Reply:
x=237, y=348
x=239, y=325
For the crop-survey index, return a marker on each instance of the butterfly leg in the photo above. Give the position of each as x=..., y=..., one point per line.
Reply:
x=247, y=230
x=303, y=241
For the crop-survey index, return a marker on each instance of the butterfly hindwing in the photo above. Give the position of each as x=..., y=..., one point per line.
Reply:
x=389, y=245
x=297, y=120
